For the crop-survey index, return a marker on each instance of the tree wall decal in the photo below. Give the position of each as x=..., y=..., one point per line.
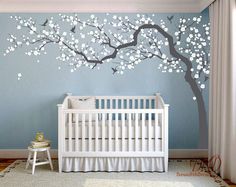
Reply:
x=125, y=42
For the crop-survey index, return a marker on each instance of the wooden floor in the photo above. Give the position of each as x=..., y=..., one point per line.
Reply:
x=6, y=162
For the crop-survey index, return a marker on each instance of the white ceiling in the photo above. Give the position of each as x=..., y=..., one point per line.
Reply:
x=104, y=5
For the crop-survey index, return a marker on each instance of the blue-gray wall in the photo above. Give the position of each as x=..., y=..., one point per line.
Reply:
x=29, y=105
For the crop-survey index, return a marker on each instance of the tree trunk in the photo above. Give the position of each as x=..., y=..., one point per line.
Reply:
x=202, y=117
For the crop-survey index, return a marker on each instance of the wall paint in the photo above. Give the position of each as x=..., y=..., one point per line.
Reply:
x=29, y=104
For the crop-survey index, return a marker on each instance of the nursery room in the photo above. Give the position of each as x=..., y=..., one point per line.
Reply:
x=116, y=93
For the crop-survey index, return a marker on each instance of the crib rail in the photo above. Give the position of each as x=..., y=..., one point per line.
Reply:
x=112, y=130
x=120, y=102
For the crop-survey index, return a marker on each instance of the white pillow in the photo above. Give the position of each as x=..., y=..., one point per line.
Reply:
x=83, y=104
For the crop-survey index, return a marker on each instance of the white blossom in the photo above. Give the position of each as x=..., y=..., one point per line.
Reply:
x=88, y=41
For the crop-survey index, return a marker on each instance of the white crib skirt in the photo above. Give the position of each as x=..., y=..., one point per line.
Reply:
x=113, y=164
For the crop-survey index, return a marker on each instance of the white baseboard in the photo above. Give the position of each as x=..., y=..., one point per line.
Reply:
x=173, y=153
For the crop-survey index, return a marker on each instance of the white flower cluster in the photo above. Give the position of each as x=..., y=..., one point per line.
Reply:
x=193, y=41
x=37, y=37
x=96, y=41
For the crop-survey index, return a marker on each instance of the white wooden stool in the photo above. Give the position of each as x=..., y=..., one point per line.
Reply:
x=34, y=161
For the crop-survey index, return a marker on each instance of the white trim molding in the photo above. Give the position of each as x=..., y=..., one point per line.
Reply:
x=97, y=6
x=173, y=153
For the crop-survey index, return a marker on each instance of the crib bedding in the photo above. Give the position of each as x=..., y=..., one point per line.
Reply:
x=86, y=164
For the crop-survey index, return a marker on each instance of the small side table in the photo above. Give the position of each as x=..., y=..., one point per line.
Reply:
x=34, y=162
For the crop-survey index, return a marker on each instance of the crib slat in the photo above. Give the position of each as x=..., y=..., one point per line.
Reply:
x=136, y=132
x=116, y=133
x=109, y=132
x=117, y=101
x=122, y=103
x=89, y=132
x=162, y=133
x=149, y=131
x=63, y=144
x=130, y=133
x=96, y=133
x=144, y=104
x=123, y=131
x=139, y=103
x=156, y=132
x=150, y=103
x=70, y=133
x=103, y=131
x=143, y=131
x=139, y=107
x=133, y=107
x=76, y=132
x=105, y=103
x=83, y=132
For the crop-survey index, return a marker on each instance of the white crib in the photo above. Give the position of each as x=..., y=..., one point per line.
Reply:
x=123, y=133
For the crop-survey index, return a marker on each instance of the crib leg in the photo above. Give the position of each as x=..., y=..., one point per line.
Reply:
x=59, y=164
x=166, y=164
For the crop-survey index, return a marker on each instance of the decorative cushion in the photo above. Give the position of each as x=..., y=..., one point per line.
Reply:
x=83, y=104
